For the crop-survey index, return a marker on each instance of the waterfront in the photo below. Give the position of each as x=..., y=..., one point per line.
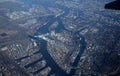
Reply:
x=46, y=56
x=58, y=38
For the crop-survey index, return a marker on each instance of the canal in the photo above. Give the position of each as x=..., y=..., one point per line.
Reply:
x=44, y=50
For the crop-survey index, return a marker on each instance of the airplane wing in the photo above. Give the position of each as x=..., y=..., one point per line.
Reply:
x=115, y=5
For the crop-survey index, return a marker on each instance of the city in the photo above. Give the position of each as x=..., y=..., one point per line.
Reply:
x=59, y=38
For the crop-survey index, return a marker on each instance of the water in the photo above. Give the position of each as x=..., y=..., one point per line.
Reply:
x=44, y=51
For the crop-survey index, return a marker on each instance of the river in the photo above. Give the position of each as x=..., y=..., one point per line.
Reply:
x=44, y=51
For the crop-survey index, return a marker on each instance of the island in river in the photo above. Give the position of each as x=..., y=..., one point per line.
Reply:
x=58, y=38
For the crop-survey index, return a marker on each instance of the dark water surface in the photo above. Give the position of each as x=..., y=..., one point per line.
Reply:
x=46, y=56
